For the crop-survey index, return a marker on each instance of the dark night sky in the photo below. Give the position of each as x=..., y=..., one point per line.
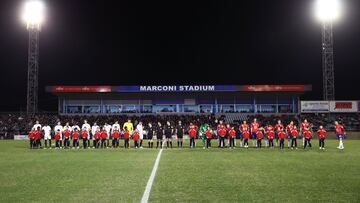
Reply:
x=195, y=42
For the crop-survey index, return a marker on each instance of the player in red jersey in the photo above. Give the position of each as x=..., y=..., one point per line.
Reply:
x=281, y=136
x=268, y=128
x=246, y=136
x=85, y=137
x=254, y=127
x=115, y=137
x=75, y=137
x=57, y=139
x=259, y=137
x=294, y=134
x=241, y=129
x=104, y=137
x=304, y=125
x=221, y=125
x=228, y=128
x=222, y=134
x=126, y=135
x=307, y=135
x=192, y=134
x=209, y=135
x=340, y=134
x=321, y=135
x=136, y=138
x=270, y=134
x=66, y=134
x=288, y=129
x=278, y=128
x=97, y=137
x=232, y=135
x=31, y=136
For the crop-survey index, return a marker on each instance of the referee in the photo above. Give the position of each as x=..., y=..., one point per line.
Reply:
x=168, y=131
x=150, y=135
x=159, y=135
x=180, y=134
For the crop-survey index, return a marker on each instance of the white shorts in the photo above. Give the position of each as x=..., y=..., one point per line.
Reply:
x=47, y=137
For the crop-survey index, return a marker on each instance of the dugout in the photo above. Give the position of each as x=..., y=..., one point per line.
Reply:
x=75, y=100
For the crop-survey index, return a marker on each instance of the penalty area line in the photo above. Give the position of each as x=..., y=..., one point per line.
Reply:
x=146, y=195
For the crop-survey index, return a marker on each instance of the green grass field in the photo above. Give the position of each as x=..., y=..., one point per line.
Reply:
x=184, y=175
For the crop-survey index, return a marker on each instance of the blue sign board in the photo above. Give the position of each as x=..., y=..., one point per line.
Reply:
x=176, y=88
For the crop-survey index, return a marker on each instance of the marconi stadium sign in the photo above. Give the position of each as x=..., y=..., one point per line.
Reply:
x=178, y=88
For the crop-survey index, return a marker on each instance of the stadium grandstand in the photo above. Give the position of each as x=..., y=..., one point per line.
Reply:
x=197, y=104
x=178, y=99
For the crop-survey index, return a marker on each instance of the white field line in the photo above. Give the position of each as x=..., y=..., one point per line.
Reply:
x=146, y=195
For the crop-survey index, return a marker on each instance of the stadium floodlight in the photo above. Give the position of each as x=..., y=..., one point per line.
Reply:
x=33, y=16
x=327, y=11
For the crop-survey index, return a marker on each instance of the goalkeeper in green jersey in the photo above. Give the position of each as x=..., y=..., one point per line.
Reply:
x=202, y=131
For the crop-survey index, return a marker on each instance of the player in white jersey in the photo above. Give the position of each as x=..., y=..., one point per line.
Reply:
x=47, y=135
x=108, y=131
x=75, y=126
x=60, y=128
x=94, y=128
x=86, y=126
x=67, y=127
x=140, y=129
x=115, y=126
x=37, y=125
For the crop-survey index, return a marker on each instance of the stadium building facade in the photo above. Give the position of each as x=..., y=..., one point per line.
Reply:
x=248, y=99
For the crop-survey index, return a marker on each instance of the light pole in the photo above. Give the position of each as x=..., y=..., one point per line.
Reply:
x=33, y=16
x=327, y=11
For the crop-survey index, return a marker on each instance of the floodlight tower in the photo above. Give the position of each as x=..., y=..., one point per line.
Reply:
x=327, y=11
x=33, y=16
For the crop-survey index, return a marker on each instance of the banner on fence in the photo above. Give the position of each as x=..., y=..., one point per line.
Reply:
x=343, y=106
x=314, y=106
x=21, y=137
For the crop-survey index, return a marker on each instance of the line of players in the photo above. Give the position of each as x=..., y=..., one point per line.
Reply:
x=101, y=136
x=278, y=133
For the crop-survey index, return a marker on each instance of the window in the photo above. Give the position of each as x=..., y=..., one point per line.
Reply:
x=74, y=109
x=146, y=109
x=91, y=109
x=244, y=108
x=191, y=108
x=164, y=108
x=225, y=108
x=129, y=108
x=205, y=108
x=113, y=109
x=266, y=108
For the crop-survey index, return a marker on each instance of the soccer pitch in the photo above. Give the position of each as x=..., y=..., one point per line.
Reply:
x=184, y=175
